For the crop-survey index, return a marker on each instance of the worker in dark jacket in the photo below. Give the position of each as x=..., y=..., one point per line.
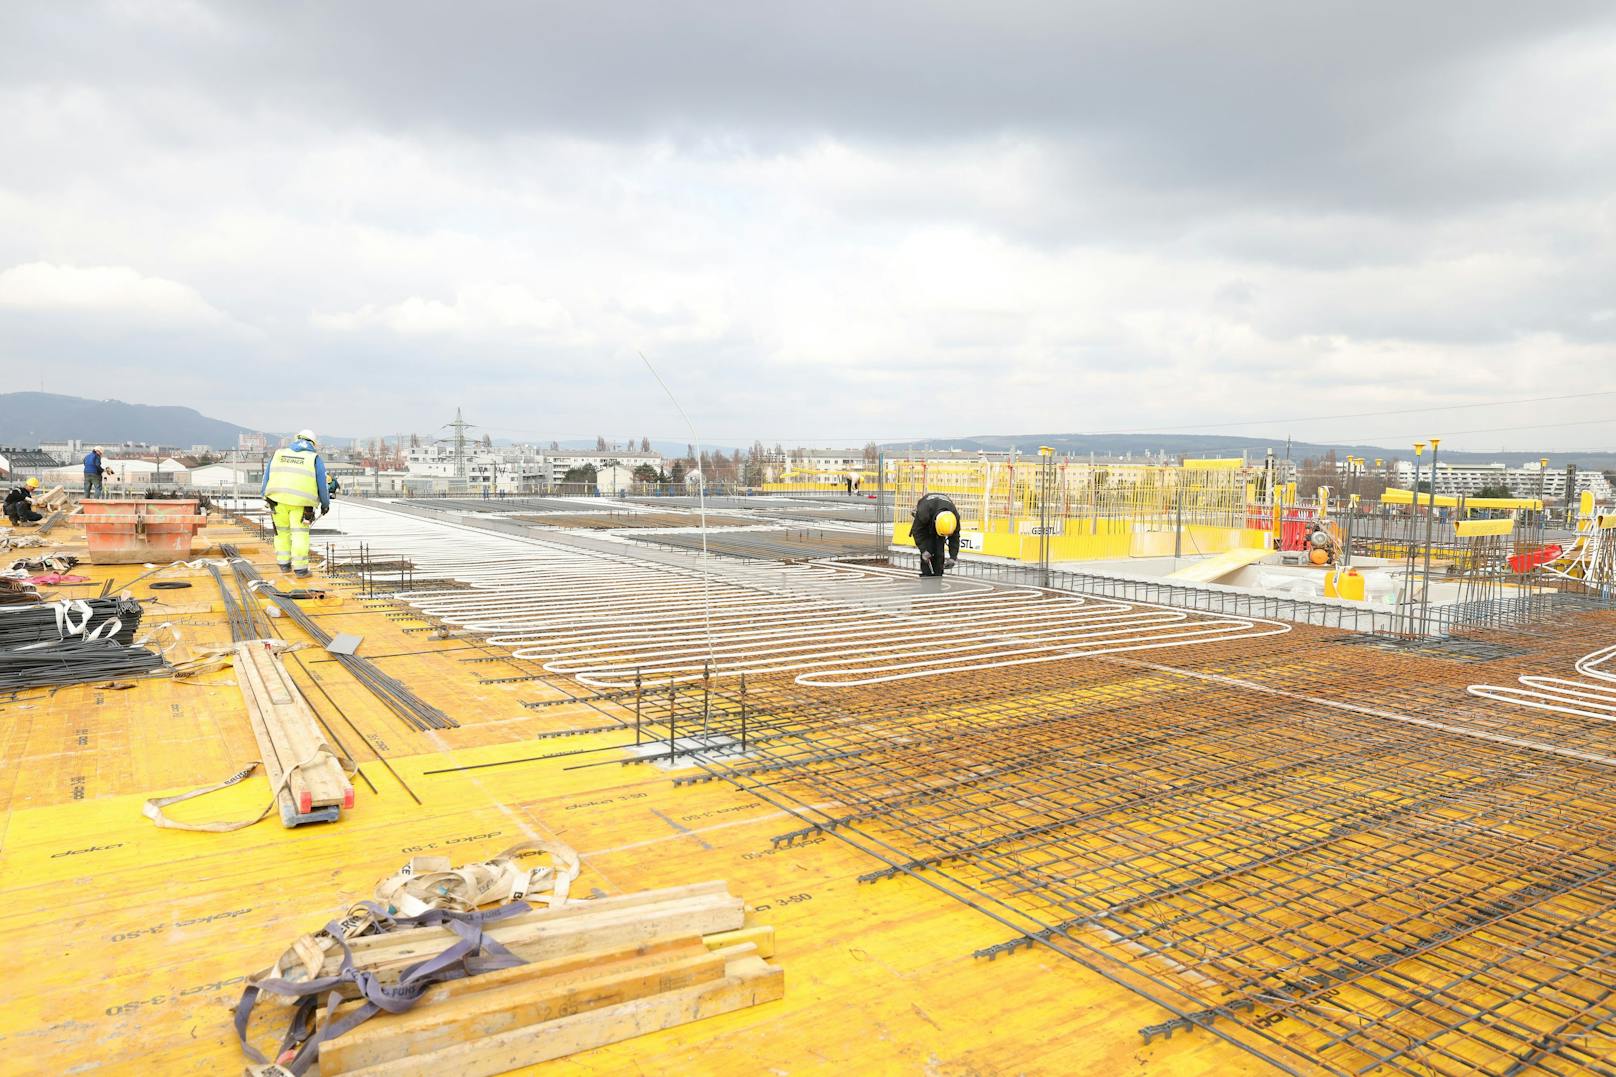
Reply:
x=935, y=525
x=20, y=504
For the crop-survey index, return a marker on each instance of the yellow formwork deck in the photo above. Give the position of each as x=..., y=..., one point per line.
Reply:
x=129, y=944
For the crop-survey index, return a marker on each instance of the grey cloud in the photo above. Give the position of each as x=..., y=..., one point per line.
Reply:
x=1344, y=103
x=1175, y=207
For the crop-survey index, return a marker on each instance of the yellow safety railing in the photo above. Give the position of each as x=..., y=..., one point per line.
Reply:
x=1090, y=511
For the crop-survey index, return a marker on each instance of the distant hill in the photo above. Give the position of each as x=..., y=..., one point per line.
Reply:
x=30, y=418
x=1215, y=445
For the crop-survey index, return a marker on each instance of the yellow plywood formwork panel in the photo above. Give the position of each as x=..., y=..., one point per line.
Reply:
x=1529, y=504
x=1092, y=511
x=1476, y=528
x=1099, y=540
x=1397, y=496
x=129, y=943
x=1212, y=569
x=1232, y=463
x=1197, y=540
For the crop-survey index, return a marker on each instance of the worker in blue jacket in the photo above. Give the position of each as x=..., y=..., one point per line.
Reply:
x=95, y=473
x=294, y=483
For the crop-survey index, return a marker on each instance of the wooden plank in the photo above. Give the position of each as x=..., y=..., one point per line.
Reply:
x=549, y=914
x=291, y=726
x=540, y=941
x=268, y=750
x=278, y=740
x=586, y=962
x=747, y=982
x=760, y=935
x=518, y=1003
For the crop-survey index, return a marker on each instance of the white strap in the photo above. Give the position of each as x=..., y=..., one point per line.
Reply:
x=153, y=808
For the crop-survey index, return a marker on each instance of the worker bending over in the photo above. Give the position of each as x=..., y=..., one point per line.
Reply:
x=294, y=483
x=20, y=504
x=935, y=524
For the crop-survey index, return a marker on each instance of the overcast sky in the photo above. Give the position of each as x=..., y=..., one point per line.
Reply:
x=822, y=222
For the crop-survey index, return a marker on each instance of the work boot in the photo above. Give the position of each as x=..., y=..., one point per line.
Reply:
x=302, y=573
x=284, y=566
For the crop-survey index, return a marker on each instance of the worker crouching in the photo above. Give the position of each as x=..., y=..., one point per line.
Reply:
x=294, y=483
x=20, y=504
x=935, y=529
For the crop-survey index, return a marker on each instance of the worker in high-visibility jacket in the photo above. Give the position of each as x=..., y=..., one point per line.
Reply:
x=294, y=483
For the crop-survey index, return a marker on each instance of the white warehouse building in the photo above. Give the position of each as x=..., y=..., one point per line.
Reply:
x=1525, y=480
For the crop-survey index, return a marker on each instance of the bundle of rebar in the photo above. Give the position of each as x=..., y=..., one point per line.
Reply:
x=410, y=708
x=57, y=621
x=14, y=592
x=74, y=661
x=241, y=610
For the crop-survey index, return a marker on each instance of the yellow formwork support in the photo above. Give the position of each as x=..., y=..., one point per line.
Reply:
x=1091, y=511
x=1395, y=496
x=1477, y=528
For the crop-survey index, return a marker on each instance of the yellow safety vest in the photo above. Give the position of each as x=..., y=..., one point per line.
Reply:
x=291, y=478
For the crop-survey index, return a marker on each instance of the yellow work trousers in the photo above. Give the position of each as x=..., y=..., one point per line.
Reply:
x=291, y=535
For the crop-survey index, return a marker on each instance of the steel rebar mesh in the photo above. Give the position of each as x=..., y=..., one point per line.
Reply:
x=1364, y=878
x=1333, y=855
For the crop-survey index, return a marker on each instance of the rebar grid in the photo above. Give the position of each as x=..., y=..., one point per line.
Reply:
x=606, y=618
x=796, y=543
x=1333, y=855
x=1361, y=892
x=614, y=518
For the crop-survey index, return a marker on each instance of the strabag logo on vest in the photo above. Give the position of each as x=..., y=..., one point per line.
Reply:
x=293, y=477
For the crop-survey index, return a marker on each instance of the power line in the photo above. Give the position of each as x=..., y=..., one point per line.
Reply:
x=1507, y=429
x=1368, y=415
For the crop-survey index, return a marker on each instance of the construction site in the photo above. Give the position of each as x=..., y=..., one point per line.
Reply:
x=1181, y=769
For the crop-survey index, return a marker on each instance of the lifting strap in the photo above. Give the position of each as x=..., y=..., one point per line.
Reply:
x=153, y=808
x=471, y=953
x=442, y=895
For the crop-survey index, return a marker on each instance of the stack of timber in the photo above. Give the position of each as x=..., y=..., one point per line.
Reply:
x=307, y=776
x=52, y=500
x=597, y=972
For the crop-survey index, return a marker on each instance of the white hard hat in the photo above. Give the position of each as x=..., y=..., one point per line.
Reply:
x=99, y=449
x=307, y=435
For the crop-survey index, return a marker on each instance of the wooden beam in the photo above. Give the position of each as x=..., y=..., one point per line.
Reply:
x=760, y=935
x=540, y=940
x=366, y=944
x=289, y=742
x=518, y=1002
x=586, y=962
x=747, y=982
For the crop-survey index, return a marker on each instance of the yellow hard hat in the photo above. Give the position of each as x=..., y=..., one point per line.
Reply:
x=947, y=523
x=32, y=484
